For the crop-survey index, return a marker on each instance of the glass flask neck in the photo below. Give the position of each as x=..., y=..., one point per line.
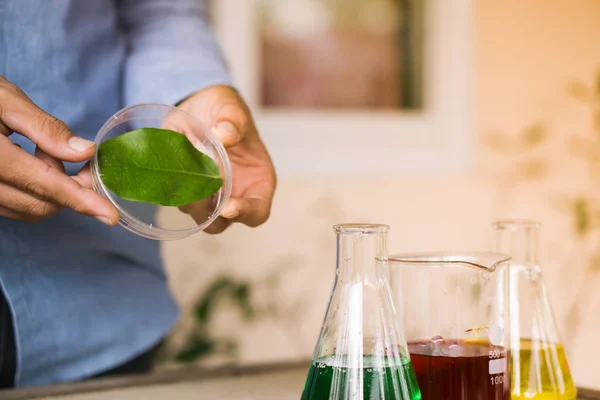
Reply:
x=519, y=239
x=360, y=249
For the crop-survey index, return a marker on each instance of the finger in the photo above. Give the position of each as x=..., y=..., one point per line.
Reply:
x=218, y=226
x=4, y=130
x=25, y=206
x=84, y=177
x=249, y=211
x=38, y=179
x=7, y=213
x=20, y=114
x=51, y=161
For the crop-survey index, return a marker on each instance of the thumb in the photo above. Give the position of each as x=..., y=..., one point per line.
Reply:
x=228, y=134
x=223, y=110
x=230, y=116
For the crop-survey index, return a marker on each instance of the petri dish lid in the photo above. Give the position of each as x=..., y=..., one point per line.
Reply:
x=156, y=221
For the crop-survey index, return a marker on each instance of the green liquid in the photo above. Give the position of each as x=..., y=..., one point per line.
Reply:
x=392, y=380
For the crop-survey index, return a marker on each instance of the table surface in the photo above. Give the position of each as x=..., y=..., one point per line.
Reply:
x=281, y=381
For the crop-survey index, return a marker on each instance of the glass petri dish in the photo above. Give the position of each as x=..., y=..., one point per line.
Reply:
x=140, y=218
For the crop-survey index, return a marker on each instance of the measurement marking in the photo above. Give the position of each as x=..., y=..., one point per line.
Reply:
x=497, y=366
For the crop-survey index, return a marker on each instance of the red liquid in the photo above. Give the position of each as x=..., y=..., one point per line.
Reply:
x=456, y=370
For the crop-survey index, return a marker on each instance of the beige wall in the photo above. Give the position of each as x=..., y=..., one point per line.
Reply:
x=526, y=52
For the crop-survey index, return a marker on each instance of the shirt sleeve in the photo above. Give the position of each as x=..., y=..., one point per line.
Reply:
x=172, y=52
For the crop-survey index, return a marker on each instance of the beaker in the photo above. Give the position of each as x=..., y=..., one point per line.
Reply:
x=361, y=351
x=454, y=308
x=538, y=362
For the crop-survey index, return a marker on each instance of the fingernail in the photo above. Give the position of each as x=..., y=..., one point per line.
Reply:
x=80, y=144
x=104, y=220
x=227, y=132
x=229, y=211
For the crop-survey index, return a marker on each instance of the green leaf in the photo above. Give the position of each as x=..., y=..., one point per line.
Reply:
x=157, y=166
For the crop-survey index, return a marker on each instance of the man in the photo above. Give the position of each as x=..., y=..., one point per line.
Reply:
x=80, y=296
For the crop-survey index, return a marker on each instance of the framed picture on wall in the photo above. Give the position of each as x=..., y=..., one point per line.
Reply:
x=354, y=87
x=340, y=55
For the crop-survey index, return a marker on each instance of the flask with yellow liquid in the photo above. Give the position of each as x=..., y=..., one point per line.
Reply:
x=539, y=366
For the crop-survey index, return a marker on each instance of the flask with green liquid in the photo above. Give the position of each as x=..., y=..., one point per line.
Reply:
x=361, y=353
x=539, y=366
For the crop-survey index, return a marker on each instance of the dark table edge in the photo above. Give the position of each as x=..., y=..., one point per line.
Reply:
x=168, y=376
x=178, y=375
x=587, y=394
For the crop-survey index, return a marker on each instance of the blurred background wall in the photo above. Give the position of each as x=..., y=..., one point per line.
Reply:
x=537, y=80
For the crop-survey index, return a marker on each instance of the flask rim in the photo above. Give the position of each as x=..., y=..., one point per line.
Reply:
x=360, y=228
x=516, y=224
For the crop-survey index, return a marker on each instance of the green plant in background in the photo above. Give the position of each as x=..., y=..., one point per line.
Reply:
x=227, y=291
x=200, y=342
x=587, y=147
x=532, y=163
x=584, y=207
x=521, y=160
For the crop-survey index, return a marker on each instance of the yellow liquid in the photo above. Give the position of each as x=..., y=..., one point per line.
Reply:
x=542, y=373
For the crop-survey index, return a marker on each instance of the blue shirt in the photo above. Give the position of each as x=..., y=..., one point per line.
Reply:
x=87, y=297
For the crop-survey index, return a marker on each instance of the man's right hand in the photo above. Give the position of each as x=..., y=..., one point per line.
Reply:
x=33, y=188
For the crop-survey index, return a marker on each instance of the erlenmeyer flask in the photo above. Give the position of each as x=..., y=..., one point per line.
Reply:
x=538, y=362
x=361, y=352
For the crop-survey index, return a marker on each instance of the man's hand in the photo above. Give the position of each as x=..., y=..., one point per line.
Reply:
x=33, y=188
x=254, y=181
